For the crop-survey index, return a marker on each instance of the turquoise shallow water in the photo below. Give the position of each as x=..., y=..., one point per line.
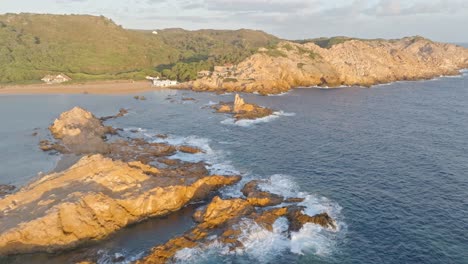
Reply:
x=391, y=164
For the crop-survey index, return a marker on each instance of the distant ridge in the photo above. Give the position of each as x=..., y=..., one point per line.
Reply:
x=94, y=47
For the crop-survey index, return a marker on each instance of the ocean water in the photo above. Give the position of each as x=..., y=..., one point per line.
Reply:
x=390, y=163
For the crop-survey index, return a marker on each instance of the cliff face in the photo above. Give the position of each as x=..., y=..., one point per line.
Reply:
x=354, y=62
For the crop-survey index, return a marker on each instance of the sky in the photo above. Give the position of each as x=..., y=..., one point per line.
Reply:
x=440, y=20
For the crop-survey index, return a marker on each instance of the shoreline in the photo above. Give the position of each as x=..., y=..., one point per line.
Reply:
x=98, y=88
x=126, y=87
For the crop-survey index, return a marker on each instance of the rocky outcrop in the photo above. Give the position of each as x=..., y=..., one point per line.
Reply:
x=223, y=217
x=242, y=110
x=354, y=62
x=111, y=187
x=92, y=199
x=80, y=132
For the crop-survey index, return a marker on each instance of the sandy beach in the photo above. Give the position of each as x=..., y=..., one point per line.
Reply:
x=98, y=87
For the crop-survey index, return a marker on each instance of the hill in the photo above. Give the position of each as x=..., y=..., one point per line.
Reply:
x=90, y=47
x=339, y=62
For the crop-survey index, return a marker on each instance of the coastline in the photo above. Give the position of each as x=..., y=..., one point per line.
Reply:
x=98, y=87
x=125, y=87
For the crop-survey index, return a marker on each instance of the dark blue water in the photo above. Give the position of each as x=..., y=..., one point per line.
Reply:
x=394, y=158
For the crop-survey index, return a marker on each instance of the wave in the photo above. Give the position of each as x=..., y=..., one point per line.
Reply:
x=280, y=94
x=215, y=159
x=259, y=243
x=266, y=246
x=106, y=257
x=250, y=122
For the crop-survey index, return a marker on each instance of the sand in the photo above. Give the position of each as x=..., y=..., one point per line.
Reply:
x=101, y=87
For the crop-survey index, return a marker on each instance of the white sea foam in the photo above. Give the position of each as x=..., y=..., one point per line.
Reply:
x=215, y=159
x=259, y=243
x=248, y=122
x=280, y=94
x=210, y=103
x=265, y=246
x=105, y=257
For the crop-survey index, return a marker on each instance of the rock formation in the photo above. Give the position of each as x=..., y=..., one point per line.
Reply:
x=242, y=110
x=103, y=192
x=80, y=132
x=6, y=189
x=223, y=217
x=354, y=62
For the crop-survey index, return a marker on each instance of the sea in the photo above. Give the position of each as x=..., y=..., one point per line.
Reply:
x=389, y=163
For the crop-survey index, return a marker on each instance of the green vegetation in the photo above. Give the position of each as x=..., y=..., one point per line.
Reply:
x=276, y=53
x=95, y=48
x=288, y=47
x=325, y=43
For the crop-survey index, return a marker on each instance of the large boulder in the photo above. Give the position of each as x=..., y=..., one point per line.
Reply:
x=81, y=132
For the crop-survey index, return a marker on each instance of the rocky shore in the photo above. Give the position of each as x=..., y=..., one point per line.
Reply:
x=352, y=63
x=242, y=110
x=120, y=181
x=116, y=182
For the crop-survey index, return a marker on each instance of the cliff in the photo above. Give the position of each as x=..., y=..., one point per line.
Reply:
x=352, y=62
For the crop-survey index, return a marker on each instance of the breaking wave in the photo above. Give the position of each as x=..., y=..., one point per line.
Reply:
x=259, y=243
x=264, y=246
x=248, y=122
x=215, y=159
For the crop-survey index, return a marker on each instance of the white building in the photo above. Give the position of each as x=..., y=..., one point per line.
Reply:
x=161, y=83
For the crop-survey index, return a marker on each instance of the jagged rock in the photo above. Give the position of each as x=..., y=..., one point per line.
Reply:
x=122, y=112
x=223, y=217
x=257, y=197
x=241, y=110
x=294, y=200
x=92, y=199
x=354, y=62
x=189, y=149
x=6, y=189
x=239, y=104
x=297, y=219
x=139, y=150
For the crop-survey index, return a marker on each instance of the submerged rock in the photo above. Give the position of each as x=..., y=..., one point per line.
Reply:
x=6, y=189
x=122, y=112
x=242, y=110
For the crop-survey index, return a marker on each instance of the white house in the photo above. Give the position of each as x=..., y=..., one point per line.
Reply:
x=161, y=83
x=154, y=32
x=53, y=79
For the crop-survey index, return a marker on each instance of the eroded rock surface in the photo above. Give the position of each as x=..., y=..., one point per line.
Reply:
x=111, y=186
x=223, y=218
x=92, y=199
x=354, y=62
x=242, y=110
x=80, y=132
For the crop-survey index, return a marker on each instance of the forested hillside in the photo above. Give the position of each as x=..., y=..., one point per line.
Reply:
x=89, y=47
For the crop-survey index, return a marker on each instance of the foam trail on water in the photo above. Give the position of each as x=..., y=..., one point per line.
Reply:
x=248, y=122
